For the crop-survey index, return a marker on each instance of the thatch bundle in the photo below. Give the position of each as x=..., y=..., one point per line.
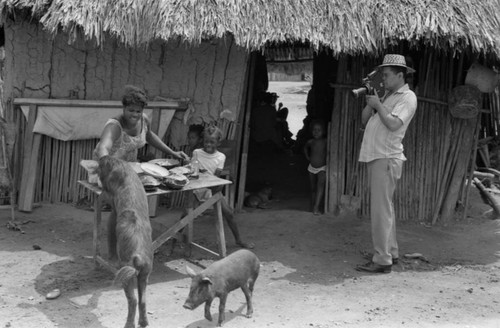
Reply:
x=350, y=27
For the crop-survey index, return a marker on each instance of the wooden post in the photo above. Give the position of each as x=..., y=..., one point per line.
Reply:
x=242, y=172
x=219, y=227
x=238, y=127
x=97, y=228
x=327, y=180
x=472, y=165
x=26, y=155
x=333, y=165
x=459, y=171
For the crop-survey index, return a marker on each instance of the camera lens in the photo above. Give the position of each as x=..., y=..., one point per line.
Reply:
x=359, y=92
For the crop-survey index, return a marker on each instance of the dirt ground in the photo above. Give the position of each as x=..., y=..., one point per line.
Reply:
x=307, y=275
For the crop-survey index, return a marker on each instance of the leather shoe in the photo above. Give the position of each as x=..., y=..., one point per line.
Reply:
x=374, y=268
x=369, y=256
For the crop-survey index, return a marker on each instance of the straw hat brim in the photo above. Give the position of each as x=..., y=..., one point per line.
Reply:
x=409, y=70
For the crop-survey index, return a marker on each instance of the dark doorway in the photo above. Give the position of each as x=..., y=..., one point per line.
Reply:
x=275, y=158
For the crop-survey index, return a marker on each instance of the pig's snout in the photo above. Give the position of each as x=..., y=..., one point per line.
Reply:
x=188, y=306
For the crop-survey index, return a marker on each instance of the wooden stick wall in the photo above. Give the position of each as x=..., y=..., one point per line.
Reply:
x=437, y=145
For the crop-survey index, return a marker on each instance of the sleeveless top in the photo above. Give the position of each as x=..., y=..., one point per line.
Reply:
x=125, y=146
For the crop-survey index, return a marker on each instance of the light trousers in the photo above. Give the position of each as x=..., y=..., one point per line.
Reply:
x=383, y=175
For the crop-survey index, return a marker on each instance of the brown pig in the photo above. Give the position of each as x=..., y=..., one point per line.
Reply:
x=238, y=270
x=129, y=232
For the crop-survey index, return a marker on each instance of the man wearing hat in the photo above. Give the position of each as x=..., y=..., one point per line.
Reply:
x=386, y=121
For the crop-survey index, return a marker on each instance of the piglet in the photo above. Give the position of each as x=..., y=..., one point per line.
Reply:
x=238, y=270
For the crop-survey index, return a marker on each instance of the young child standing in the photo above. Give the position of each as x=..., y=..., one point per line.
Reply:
x=315, y=151
x=212, y=161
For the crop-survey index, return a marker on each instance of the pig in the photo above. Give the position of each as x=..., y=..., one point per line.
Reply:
x=238, y=270
x=129, y=232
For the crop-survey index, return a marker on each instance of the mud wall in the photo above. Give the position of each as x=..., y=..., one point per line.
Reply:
x=38, y=65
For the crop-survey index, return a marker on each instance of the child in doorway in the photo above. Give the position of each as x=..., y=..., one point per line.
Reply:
x=212, y=161
x=195, y=138
x=315, y=151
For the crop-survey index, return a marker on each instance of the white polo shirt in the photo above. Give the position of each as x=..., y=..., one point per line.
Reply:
x=378, y=140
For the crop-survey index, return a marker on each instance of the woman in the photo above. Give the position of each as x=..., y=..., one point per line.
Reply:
x=124, y=135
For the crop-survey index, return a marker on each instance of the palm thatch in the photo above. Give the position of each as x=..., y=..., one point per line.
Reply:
x=345, y=26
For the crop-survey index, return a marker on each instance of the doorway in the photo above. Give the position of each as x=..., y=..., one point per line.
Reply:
x=275, y=159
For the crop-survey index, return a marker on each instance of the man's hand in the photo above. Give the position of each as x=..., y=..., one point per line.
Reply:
x=373, y=102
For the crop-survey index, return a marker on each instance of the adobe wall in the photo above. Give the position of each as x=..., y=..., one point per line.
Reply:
x=39, y=66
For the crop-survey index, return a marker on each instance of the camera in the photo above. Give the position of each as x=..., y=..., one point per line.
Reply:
x=368, y=85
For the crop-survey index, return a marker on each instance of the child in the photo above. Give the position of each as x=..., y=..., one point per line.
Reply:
x=195, y=138
x=315, y=151
x=212, y=160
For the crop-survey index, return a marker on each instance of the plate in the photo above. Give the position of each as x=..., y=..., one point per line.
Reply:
x=181, y=170
x=154, y=170
x=167, y=162
x=136, y=167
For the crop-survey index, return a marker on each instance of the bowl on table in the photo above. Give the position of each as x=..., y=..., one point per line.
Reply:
x=149, y=183
x=174, y=182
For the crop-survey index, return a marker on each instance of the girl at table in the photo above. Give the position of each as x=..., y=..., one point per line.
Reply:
x=125, y=134
x=212, y=161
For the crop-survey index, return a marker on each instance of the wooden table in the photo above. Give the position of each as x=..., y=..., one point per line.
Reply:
x=204, y=181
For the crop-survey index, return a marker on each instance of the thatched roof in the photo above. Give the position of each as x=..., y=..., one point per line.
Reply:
x=345, y=26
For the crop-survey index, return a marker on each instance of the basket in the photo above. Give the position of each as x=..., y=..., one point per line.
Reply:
x=485, y=79
x=464, y=101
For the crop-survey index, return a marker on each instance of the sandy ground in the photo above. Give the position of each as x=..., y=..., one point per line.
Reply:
x=307, y=277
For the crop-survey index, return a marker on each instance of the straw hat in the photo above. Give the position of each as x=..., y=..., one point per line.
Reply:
x=396, y=60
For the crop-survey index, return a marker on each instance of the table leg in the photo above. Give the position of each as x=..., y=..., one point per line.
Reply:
x=219, y=227
x=188, y=231
x=97, y=229
x=153, y=205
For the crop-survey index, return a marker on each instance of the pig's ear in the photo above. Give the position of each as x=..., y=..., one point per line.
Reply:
x=206, y=280
x=190, y=272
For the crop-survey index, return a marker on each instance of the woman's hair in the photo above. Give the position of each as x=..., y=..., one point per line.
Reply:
x=212, y=131
x=196, y=128
x=133, y=95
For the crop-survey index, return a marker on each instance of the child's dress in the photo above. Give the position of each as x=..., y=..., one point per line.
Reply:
x=210, y=163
